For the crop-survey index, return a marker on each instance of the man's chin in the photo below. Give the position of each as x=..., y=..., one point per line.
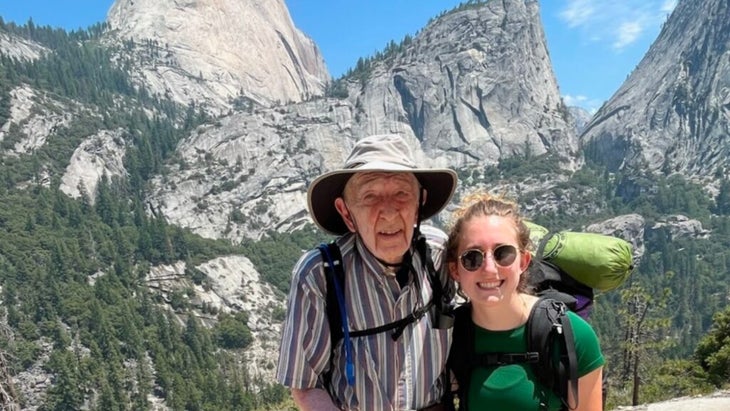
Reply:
x=392, y=255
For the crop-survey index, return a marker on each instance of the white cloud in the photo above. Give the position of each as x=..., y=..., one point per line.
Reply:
x=577, y=12
x=574, y=100
x=616, y=23
x=668, y=6
x=589, y=104
x=627, y=33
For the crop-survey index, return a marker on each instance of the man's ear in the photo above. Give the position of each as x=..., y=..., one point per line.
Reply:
x=422, y=199
x=341, y=208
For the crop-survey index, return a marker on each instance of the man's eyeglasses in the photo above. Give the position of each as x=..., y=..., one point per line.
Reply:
x=504, y=256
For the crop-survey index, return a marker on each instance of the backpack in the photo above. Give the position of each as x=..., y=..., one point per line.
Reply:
x=438, y=307
x=550, y=281
x=598, y=261
x=568, y=266
x=550, y=353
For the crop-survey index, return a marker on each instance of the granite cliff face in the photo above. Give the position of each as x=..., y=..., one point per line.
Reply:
x=209, y=52
x=473, y=88
x=673, y=112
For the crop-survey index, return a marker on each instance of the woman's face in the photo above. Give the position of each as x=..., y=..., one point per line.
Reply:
x=489, y=262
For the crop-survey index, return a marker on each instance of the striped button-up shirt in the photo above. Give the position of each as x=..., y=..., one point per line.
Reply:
x=389, y=375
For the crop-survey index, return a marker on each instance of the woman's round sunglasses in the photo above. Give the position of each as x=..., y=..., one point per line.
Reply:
x=504, y=255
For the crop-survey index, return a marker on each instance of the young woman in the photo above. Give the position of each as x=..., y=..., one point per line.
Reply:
x=488, y=255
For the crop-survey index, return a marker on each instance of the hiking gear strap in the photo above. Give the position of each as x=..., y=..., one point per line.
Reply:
x=572, y=362
x=442, y=314
x=549, y=331
x=337, y=310
x=491, y=359
x=336, y=276
x=460, y=362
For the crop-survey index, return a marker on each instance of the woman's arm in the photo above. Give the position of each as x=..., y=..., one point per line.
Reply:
x=590, y=391
x=313, y=399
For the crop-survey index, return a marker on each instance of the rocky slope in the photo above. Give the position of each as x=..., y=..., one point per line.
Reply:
x=20, y=48
x=718, y=401
x=473, y=88
x=673, y=112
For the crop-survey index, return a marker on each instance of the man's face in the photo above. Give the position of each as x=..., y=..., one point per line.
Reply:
x=382, y=208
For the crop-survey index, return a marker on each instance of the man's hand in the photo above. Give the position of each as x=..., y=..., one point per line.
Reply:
x=313, y=399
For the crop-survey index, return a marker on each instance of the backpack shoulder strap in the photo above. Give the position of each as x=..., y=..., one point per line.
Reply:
x=549, y=332
x=441, y=294
x=461, y=361
x=334, y=276
x=335, y=273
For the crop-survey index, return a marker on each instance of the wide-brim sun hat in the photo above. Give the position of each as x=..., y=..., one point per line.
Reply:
x=379, y=153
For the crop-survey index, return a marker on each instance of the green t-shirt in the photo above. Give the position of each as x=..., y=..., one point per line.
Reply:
x=513, y=387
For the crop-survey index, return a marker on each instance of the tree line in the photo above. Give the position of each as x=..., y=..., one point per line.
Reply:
x=73, y=270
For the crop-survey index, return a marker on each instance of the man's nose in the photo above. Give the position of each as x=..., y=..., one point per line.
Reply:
x=389, y=205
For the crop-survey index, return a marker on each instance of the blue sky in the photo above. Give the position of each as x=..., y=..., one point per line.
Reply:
x=594, y=44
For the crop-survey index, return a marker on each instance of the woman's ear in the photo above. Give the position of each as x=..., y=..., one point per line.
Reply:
x=525, y=259
x=344, y=212
x=453, y=270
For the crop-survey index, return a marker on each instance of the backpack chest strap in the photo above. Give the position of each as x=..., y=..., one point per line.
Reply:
x=399, y=326
x=494, y=359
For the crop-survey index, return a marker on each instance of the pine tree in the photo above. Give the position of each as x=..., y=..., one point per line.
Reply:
x=645, y=329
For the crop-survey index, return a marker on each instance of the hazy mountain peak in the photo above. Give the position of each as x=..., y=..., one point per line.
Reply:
x=212, y=50
x=673, y=112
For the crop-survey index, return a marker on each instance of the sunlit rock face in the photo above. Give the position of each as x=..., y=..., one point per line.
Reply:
x=475, y=86
x=673, y=112
x=213, y=51
x=20, y=48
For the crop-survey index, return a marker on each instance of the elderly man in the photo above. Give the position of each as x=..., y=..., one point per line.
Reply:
x=371, y=339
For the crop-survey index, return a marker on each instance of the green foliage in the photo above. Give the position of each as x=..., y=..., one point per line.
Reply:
x=364, y=66
x=336, y=89
x=4, y=99
x=676, y=378
x=232, y=331
x=713, y=350
x=644, y=329
x=275, y=255
x=521, y=166
x=469, y=4
x=72, y=272
x=653, y=196
x=669, y=379
x=67, y=392
x=723, y=198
